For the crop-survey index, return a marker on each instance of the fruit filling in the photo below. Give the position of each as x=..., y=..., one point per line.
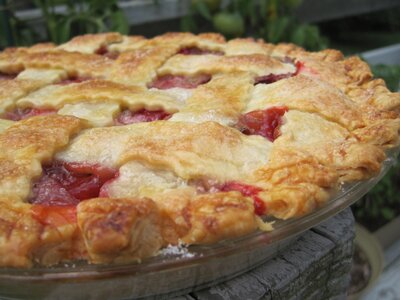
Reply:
x=103, y=51
x=198, y=51
x=24, y=113
x=302, y=68
x=180, y=81
x=263, y=122
x=66, y=184
x=211, y=186
x=248, y=191
x=129, y=117
x=4, y=76
x=271, y=78
x=73, y=79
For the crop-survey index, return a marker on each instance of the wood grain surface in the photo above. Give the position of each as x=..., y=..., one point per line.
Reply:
x=316, y=266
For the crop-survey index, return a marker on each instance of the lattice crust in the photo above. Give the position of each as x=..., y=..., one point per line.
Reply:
x=180, y=138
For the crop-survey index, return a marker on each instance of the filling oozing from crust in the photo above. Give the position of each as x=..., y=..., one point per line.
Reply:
x=179, y=81
x=129, y=117
x=24, y=113
x=263, y=122
x=302, y=68
x=4, y=76
x=198, y=51
x=73, y=79
x=63, y=185
x=210, y=186
x=66, y=184
x=248, y=191
x=271, y=78
x=103, y=51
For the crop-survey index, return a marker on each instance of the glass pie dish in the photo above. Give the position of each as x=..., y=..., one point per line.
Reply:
x=177, y=269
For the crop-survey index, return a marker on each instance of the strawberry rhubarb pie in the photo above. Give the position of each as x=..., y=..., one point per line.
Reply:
x=113, y=147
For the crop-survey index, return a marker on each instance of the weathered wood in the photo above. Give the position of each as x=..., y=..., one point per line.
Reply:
x=316, y=266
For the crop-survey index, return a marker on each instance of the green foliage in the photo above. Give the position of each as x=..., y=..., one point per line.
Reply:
x=229, y=24
x=391, y=75
x=272, y=20
x=382, y=203
x=13, y=30
x=81, y=16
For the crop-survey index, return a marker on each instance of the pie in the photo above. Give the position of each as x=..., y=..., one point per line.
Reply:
x=113, y=147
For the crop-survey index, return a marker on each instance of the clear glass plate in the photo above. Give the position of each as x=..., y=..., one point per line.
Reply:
x=176, y=270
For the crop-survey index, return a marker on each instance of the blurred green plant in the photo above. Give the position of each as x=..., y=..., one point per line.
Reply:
x=382, y=203
x=12, y=30
x=272, y=20
x=391, y=75
x=82, y=16
x=79, y=17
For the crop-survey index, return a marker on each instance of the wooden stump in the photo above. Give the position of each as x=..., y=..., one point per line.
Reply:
x=316, y=266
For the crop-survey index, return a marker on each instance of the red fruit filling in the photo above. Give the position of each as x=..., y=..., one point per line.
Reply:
x=24, y=113
x=186, y=82
x=263, y=122
x=73, y=79
x=129, y=117
x=211, y=186
x=103, y=51
x=66, y=184
x=302, y=68
x=198, y=51
x=299, y=67
x=271, y=78
x=104, y=189
x=248, y=191
x=4, y=76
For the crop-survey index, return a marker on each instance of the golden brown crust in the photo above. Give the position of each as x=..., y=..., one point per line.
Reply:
x=25, y=83
x=308, y=95
x=74, y=63
x=217, y=217
x=90, y=43
x=16, y=242
x=120, y=230
x=257, y=64
x=25, y=145
x=222, y=100
x=196, y=177
x=139, y=66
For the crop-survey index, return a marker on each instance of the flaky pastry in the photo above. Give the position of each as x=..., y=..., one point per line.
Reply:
x=113, y=146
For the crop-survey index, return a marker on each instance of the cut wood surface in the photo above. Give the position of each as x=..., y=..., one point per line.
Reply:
x=316, y=266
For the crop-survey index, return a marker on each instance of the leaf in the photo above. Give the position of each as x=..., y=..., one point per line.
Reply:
x=203, y=10
x=244, y=6
x=52, y=29
x=388, y=213
x=188, y=24
x=119, y=22
x=298, y=36
x=252, y=12
x=276, y=29
x=264, y=8
x=65, y=31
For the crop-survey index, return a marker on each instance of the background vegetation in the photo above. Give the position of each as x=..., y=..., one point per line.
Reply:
x=272, y=20
x=79, y=17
